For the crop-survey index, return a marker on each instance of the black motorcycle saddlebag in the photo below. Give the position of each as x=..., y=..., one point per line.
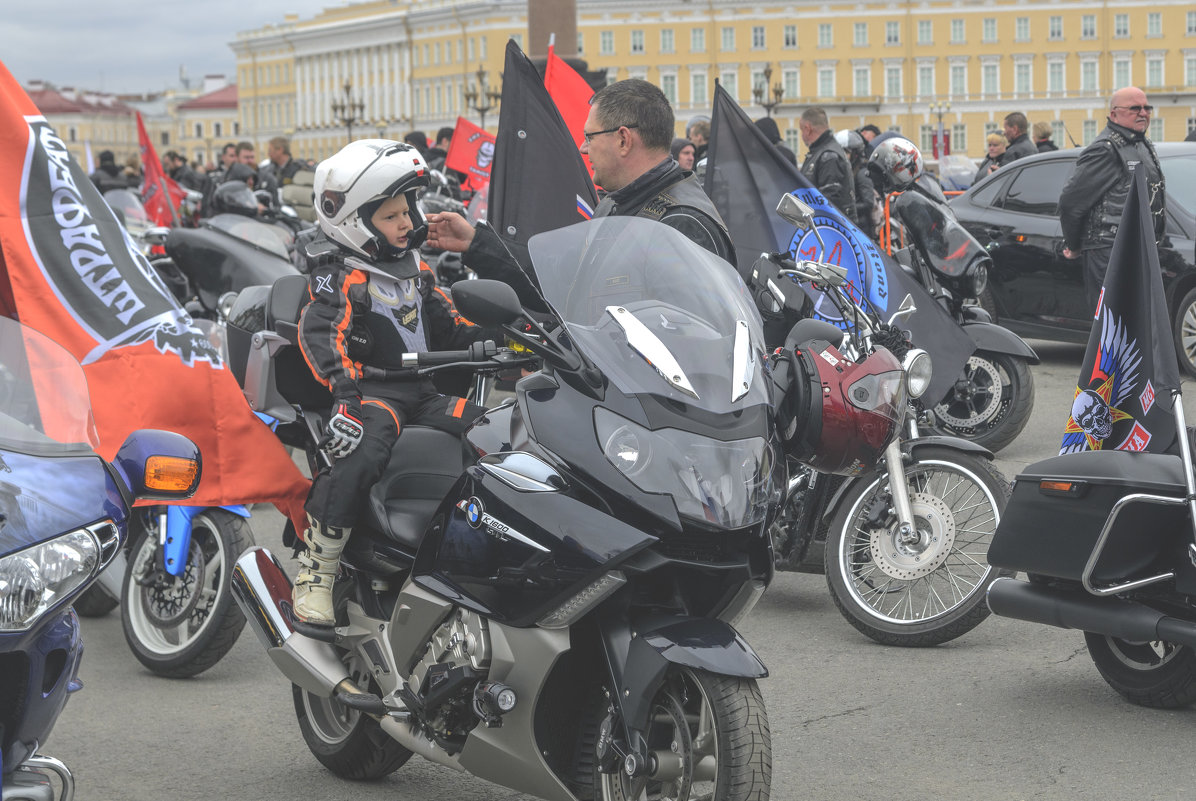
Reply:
x=1052, y=532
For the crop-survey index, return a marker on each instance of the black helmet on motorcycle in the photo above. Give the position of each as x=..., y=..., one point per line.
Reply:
x=351, y=185
x=895, y=164
x=234, y=197
x=836, y=415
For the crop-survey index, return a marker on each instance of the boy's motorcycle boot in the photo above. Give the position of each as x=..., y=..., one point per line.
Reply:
x=312, y=595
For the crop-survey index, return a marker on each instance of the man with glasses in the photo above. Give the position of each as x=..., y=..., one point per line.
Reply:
x=628, y=134
x=1091, y=202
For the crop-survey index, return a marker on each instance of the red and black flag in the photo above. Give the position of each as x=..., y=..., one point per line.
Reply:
x=160, y=193
x=471, y=153
x=1124, y=397
x=539, y=182
x=571, y=94
x=746, y=177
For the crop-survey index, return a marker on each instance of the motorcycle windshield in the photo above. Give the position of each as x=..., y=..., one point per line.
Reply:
x=656, y=313
x=266, y=237
x=944, y=243
x=127, y=202
x=44, y=405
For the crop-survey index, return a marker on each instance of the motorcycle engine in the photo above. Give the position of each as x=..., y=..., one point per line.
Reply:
x=456, y=660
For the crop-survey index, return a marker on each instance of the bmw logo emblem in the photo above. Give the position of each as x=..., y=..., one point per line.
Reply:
x=473, y=512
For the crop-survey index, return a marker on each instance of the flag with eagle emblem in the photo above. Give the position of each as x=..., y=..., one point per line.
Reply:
x=1124, y=394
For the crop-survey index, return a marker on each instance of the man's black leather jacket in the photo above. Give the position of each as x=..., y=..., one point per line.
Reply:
x=1091, y=202
x=826, y=166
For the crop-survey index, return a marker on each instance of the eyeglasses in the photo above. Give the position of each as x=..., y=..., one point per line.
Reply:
x=1137, y=109
x=590, y=136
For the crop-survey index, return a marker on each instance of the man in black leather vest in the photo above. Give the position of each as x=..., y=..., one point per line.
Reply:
x=1091, y=202
x=826, y=164
x=627, y=136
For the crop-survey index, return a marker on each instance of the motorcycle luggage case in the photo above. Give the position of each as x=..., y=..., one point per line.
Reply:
x=1051, y=533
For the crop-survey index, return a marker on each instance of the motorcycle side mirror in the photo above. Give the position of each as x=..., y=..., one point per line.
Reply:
x=156, y=235
x=906, y=308
x=159, y=465
x=487, y=302
x=801, y=215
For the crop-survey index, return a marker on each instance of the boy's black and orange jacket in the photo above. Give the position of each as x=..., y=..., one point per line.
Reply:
x=346, y=326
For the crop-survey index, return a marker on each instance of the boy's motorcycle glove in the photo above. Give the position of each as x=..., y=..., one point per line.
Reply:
x=344, y=429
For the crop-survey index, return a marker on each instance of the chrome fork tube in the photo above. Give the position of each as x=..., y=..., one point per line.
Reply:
x=899, y=490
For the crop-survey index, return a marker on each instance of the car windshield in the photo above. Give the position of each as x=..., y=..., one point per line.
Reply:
x=44, y=404
x=656, y=313
x=1180, y=174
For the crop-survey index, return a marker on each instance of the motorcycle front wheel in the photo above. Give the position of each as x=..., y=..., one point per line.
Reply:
x=990, y=401
x=710, y=738
x=928, y=587
x=348, y=743
x=1155, y=674
x=179, y=626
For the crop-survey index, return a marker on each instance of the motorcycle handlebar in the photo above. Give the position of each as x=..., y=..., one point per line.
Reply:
x=479, y=355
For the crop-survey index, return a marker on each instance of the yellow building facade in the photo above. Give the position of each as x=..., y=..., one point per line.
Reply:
x=907, y=66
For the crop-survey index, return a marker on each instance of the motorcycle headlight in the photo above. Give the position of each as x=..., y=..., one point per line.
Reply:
x=37, y=579
x=979, y=280
x=918, y=370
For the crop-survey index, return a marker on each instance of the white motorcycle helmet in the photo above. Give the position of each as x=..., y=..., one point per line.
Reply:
x=897, y=162
x=350, y=186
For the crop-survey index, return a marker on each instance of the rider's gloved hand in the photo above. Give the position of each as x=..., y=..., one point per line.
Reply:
x=344, y=429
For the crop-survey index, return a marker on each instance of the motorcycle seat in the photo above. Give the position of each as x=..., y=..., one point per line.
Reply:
x=424, y=465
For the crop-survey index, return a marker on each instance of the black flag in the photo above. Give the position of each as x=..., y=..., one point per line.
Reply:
x=1123, y=397
x=746, y=176
x=539, y=181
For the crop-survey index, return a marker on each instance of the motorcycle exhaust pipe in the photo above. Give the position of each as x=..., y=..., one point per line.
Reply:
x=1112, y=617
x=263, y=591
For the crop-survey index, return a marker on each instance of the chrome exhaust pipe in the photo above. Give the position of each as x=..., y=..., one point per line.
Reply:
x=1067, y=609
x=263, y=591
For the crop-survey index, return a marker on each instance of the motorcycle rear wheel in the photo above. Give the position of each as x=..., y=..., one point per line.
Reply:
x=710, y=735
x=181, y=626
x=926, y=592
x=1158, y=674
x=348, y=743
x=990, y=402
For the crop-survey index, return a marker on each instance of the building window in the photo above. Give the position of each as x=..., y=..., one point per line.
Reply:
x=581, y=45
x=926, y=80
x=728, y=40
x=236, y=129
x=957, y=31
x=893, y=82
x=199, y=130
x=988, y=29
x=790, y=82
x=1190, y=70
x=826, y=81
x=990, y=83
x=1121, y=27
x=793, y=138
x=1122, y=75
x=959, y=80
x=1058, y=132
x=1088, y=76
x=1156, y=130
x=439, y=99
x=892, y=33
x=217, y=129
x=1088, y=132
x=668, y=85
x=484, y=40
x=790, y=36
x=861, y=81
x=859, y=34
x=165, y=137
x=666, y=40
x=1022, y=78
x=697, y=95
x=926, y=134
x=758, y=37
x=1056, y=80
x=1055, y=28
x=730, y=81
x=637, y=42
x=1088, y=26
x=925, y=31
x=1192, y=23
x=959, y=138
x=1021, y=29
x=697, y=40
x=436, y=53
x=473, y=46
x=1154, y=24
x=1154, y=73
x=72, y=134
x=606, y=43
x=825, y=35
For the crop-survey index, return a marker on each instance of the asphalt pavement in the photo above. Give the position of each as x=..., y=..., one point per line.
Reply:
x=1009, y=711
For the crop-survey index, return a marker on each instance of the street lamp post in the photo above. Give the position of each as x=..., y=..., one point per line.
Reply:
x=761, y=92
x=480, y=98
x=348, y=110
x=940, y=108
x=381, y=124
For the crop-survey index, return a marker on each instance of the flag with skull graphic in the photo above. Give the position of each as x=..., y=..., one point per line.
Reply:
x=1124, y=395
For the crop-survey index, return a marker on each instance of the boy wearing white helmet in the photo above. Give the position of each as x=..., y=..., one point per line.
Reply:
x=372, y=300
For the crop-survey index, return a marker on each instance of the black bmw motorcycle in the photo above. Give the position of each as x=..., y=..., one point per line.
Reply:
x=550, y=601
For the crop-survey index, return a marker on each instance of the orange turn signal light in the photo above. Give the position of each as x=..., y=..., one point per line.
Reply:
x=1056, y=486
x=170, y=473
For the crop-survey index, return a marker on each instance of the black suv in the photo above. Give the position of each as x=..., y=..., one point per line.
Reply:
x=1032, y=289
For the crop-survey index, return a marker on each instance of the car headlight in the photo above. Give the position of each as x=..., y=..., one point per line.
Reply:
x=918, y=370
x=37, y=579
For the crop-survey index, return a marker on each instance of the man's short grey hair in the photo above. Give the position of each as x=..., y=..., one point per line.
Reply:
x=1017, y=120
x=816, y=116
x=636, y=102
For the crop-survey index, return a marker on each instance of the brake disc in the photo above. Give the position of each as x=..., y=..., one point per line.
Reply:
x=935, y=527
x=991, y=406
x=169, y=600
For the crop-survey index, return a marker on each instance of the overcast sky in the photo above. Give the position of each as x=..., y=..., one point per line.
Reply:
x=132, y=45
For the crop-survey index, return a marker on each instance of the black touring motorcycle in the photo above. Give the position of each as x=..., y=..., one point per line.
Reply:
x=550, y=602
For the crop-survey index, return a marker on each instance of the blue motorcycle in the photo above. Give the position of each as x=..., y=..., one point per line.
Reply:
x=64, y=515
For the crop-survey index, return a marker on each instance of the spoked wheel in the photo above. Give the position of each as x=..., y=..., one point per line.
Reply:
x=710, y=740
x=926, y=587
x=180, y=626
x=348, y=743
x=1156, y=674
x=990, y=402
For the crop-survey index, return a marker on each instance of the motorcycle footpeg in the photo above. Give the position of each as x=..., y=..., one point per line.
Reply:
x=315, y=632
x=368, y=703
